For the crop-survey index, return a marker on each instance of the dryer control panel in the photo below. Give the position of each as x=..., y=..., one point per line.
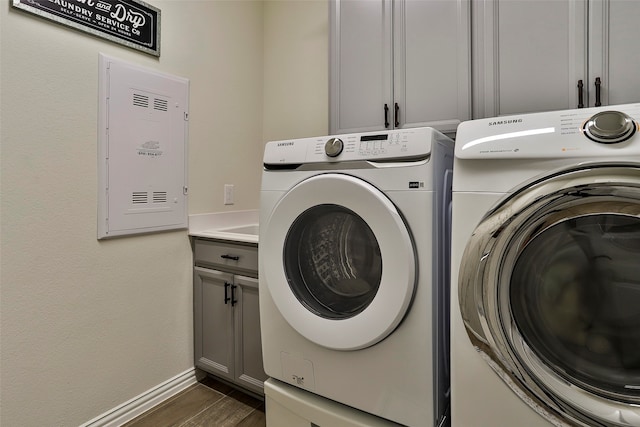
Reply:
x=372, y=146
x=588, y=132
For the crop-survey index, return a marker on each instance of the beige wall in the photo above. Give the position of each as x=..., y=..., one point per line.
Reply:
x=226, y=56
x=87, y=325
x=296, y=69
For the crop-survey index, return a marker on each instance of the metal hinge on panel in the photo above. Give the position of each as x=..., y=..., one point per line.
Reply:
x=185, y=190
x=186, y=116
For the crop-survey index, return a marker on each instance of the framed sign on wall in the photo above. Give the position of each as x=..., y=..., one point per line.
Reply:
x=133, y=23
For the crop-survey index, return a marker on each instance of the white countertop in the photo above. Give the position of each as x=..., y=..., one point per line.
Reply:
x=237, y=226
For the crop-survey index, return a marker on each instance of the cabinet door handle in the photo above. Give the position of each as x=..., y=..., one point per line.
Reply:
x=233, y=257
x=397, y=115
x=233, y=295
x=226, y=293
x=386, y=116
x=598, y=84
x=580, y=98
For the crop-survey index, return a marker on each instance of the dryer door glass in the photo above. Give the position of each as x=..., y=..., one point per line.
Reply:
x=550, y=291
x=332, y=261
x=575, y=293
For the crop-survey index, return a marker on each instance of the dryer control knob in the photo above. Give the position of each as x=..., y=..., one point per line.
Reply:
x=333, y=147
x=609, y=127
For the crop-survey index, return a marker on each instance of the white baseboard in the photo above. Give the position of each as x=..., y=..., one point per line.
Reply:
x=132, y=408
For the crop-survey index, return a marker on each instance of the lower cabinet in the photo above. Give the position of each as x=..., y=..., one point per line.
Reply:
x=227, y=325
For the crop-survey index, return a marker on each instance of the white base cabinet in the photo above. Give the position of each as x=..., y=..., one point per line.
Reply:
x=226, y=313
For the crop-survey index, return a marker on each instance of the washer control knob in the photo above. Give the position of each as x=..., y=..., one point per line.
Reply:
x=333, y=147
x=609, y=127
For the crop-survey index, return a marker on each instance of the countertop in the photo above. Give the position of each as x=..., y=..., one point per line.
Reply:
x=237, y=226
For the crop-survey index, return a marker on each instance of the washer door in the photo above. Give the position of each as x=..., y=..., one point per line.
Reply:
x=550, y=291
x=339, y=261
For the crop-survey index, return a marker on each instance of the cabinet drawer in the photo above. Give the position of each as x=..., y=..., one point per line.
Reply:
x=227, y=256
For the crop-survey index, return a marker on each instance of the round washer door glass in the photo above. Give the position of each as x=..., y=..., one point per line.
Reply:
x=338, y=261
x=332, y=261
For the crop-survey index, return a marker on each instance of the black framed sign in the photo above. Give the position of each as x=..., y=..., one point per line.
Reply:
x=133, y=23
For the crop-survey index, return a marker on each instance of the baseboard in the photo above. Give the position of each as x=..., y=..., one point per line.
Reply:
x=145, y=401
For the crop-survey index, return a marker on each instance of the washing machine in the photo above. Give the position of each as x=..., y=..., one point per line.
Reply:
x=545, y=325
x=353, y=270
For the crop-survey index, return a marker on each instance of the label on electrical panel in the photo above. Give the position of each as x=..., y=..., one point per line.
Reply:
x=150, y=148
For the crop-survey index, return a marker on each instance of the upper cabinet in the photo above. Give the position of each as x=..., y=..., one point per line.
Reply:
x=398, y=64
x=537, y=55
x=613, y=51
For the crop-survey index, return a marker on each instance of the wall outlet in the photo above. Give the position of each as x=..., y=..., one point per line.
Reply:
x=228, y=194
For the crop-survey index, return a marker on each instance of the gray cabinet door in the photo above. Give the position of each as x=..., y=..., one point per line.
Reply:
x=613, y=51
x=432, y=63
x=532, y=55
x=213, y=322
x=361, y=65
x=528, y=55
x=249, y=369
x=396, y=64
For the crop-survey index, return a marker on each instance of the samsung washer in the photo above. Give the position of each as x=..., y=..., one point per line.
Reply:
x=353, y=266
x=545, y=322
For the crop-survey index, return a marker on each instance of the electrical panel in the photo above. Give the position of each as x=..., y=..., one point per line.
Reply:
x=142, y=150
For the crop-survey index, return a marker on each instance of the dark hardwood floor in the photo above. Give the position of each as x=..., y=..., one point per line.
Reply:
x=208, y=403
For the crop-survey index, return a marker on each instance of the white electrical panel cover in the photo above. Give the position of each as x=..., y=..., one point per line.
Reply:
x=142, y=149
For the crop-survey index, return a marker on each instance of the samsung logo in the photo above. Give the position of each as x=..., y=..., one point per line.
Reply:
x=284, y=144
x=505, y=122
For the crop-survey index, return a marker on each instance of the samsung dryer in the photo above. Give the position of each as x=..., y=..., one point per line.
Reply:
x=353, y=269
x=545, y=323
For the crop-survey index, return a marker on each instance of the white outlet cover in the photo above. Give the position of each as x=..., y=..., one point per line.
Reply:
x=228, y=194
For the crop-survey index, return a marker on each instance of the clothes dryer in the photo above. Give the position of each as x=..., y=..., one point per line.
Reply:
x=353, y=269
x=545, y=323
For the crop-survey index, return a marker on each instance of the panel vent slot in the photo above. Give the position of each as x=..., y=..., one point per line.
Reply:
x=140, y=100
x=160, y=104
x=139, y=197
x=159, y=197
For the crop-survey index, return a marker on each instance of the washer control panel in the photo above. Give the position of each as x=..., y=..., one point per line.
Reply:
x=389, y=145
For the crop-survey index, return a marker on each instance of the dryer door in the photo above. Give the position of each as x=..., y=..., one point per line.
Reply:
x=338, y=261
x=550, y=291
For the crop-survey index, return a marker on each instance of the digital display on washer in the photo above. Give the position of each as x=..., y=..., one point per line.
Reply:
x=374, y=137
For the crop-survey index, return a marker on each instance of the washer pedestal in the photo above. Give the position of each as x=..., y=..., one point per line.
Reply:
x=288, y=406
